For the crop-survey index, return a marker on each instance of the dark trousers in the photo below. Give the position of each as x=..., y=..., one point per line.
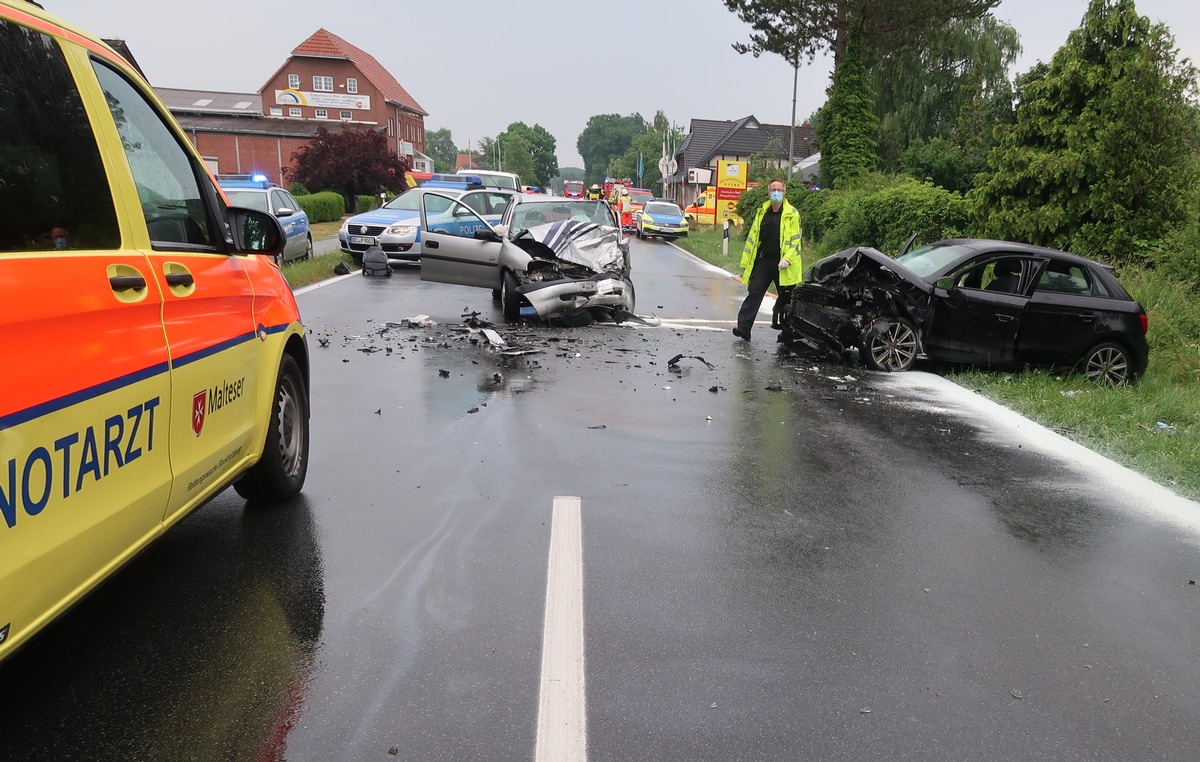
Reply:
x=765, y=272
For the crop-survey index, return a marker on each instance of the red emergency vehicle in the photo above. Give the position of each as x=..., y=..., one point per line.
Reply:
x=573, y=189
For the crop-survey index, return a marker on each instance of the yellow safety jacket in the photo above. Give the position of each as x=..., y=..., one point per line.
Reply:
x=789, y=244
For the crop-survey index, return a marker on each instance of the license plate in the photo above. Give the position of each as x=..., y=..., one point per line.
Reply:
x=368, y=240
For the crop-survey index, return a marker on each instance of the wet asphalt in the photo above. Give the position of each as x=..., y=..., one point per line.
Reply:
x=783, y=559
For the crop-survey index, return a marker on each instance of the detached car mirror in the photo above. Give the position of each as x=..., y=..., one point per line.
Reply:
x=255, y=232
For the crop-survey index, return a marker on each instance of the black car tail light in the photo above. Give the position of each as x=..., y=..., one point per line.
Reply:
x=1144, y=319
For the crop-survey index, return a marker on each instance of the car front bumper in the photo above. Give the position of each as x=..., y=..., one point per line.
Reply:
x=560, y=296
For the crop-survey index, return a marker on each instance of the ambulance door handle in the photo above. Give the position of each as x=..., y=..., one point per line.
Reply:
x=180, y=279
x=127, y=283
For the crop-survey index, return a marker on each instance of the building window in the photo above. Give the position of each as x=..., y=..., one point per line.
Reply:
x=391, y=126
x=276, y=111
x=351, y=85
x=321, y=113
x=293, y=111
x=323, y=84
x=293, y=81
x=346, y=115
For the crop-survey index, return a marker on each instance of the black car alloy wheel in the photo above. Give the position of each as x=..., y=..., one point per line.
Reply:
x=1108, y=364
x=892, y=350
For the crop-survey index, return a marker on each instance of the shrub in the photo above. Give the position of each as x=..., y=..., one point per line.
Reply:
x=365, y=203
x=298, y=190
x=326, y=206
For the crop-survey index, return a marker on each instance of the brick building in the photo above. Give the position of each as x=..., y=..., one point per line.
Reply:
x=326, y=82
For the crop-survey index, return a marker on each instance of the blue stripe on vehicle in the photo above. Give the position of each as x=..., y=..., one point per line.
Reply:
x=18, y=417
x=83, y=395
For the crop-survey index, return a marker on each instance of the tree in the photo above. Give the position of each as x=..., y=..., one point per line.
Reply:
x=355, y=161
x=921, y=92
x=1102, y=157
x=542, y=147
x=649, y=144
x=846, y=131
x=605, y=138
x=800, y=29
x=516, y=156
x=440, y=147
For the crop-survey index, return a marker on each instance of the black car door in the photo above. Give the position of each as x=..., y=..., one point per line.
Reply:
x=1061, y=317
x=977, y=319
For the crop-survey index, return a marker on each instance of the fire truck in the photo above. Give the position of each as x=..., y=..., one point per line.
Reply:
x=573, y=188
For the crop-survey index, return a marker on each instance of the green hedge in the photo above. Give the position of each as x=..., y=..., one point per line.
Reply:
x=326, y=206
x=365, y=203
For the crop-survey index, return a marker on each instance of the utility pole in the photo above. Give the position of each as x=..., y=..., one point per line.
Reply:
x=792, y=140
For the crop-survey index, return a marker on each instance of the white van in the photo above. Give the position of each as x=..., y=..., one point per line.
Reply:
x=494, y=178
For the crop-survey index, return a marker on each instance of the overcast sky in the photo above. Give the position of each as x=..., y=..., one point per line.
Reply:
x=478, y=66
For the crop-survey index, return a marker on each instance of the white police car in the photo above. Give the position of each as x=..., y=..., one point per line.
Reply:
x=397, y=225
x=257, y=192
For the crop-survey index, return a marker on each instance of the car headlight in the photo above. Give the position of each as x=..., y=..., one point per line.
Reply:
x=402, y=230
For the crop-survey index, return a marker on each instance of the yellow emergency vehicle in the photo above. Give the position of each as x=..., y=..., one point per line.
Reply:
x=153, y=352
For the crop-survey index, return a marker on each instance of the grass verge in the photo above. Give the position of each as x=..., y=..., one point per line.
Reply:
x=1150, y=427
x=305, y=272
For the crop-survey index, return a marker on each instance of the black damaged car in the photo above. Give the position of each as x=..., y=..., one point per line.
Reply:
x=995, y=304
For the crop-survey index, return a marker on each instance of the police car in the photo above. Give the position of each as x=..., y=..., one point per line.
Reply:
x=257, y=192
x=397, y=225
x=153, y=352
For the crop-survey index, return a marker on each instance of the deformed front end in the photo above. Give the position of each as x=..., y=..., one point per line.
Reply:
x=574, y=265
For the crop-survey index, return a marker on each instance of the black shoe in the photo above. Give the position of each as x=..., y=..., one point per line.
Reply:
x=741, y=334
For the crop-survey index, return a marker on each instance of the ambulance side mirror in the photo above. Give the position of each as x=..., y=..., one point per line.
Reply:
x=255, y=232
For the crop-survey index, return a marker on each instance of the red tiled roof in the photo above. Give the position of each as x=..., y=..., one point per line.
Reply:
x=326, y=44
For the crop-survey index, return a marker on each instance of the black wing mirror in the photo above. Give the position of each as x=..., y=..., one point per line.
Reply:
x=255, y=232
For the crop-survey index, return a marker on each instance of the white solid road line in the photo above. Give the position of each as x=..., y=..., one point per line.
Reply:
x=562, y=703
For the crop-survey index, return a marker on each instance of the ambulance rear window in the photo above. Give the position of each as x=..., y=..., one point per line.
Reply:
x=53, y=189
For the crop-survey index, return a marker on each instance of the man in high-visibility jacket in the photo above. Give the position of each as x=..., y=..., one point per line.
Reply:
x=771, y=255
x=594, y=193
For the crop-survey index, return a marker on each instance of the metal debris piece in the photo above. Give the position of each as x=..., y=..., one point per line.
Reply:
x=493, y=338
x=675, y=360
x=775, y=388
x=601, y=426
x=865, y=710
x=1016, y=694
x=323, y=342
x=473, y=410
x=444, y=373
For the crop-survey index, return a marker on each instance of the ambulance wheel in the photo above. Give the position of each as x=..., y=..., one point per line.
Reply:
x=279, y=473
x=510, y=300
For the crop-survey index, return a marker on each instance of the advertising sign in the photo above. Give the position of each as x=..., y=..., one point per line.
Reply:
x=731, y=183
x=322, y=100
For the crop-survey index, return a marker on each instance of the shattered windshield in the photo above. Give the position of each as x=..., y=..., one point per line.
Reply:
x=929, y=259
x=531, y=215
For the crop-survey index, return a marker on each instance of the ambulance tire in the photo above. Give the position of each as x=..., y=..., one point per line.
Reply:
x=279, y=473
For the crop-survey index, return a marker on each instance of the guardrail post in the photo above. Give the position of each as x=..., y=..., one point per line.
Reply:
x=725, y=241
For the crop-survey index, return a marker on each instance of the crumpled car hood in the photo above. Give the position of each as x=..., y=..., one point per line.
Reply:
x=863, y=264
x=852, y=271
x=593, y=246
